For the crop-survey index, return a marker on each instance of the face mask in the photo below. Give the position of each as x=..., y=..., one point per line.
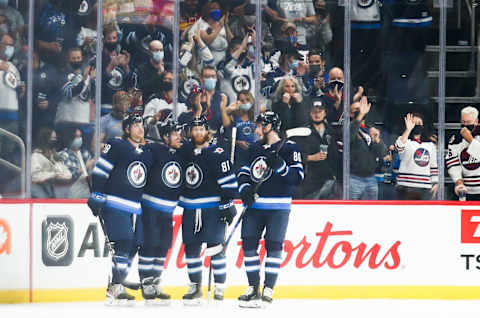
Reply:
x=204, y=106
x=210, y=83
x=417, y=130
x=52, y=143
x=321, y=11
x=158, y=56
x=216, y=15
x=355, y=114
x=314, y=69
x=246, y=106
x=77, y=143
x=9, y=50
x=292, y=39
x=294, y=65
x=167, y=86
x=110, y=45
x=469, y=127
x=76, y=65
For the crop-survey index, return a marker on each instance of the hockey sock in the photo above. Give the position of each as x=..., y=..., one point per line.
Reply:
x=272, y=263
x=120, y=261
x=251, y=260
x=145, y=265
x=194, y=262
x=219, y=265
x=158, y=262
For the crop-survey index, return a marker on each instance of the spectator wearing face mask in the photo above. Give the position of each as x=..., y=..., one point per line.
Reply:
x=87, y=36
x=289, y=104
x=214, y=98
x=79, y=162
x=214, y=31
x=299, y=12
x=48, y=169
x=417, y=177
x=240, y=114
x=74, y=107
x=150, y=72
x=116, y=73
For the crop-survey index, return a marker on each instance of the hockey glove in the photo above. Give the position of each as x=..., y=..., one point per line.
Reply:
x=96, y=202
x=227, y=212
x=276, y=163
x=247, y=195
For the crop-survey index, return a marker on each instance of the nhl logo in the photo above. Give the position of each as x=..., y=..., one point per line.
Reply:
x=137, y=174
x=57, y=241
x=172, y=174
x=193, y=176
x=259, y=169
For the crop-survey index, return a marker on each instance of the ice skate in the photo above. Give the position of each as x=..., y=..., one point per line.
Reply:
x=118, y=296
x=193, y=297
x=219, y=292
x=151, y=290
x=251, y=298
x=267, y=296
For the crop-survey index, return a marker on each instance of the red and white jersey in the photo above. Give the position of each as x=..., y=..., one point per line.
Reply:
x=463, y=162
x=418, y=164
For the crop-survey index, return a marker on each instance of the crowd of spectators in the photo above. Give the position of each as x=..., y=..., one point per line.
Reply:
x=300, y=74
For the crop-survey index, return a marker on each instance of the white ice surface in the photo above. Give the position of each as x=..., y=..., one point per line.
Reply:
x=280, y=308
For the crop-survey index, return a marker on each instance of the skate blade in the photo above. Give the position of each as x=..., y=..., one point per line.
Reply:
x=192, y=302
x=250, y=304
x=159, y=302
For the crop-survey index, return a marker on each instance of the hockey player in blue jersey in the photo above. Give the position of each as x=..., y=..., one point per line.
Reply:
x=277, y=165
x=207, y=199
x=117, y=185
x=158, y=202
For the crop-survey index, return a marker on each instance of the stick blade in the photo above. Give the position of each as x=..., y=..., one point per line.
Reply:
x=298, y=132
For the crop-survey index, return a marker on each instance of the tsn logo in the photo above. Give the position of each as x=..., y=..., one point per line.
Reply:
x=470, y=234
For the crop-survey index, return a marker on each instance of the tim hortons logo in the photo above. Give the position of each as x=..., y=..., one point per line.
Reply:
x=329, y=248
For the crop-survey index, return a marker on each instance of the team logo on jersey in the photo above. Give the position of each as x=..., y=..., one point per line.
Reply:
x=137, y=174
x=193, y=176
x=259, y=169
x=117, y=79
x=219, y=150
x=469, y=162
x=247, y=130
x=365, y=3
x=172, y=174
x=421, y=157
x=240, y=83
x=84, y=8
x=10, y=80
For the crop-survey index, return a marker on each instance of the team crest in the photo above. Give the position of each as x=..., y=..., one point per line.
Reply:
x=137, y=174
x=193, y=176
x=421, y=157
x=259, y=169
x=219, y=150
x=117, y=79
x=84, y=8
x=10, y=80
x=240, y=83
x=57, y=240
x=469, y=162
x=172, y=174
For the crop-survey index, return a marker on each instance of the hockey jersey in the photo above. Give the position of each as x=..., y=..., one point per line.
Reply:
x=365, y=14
x=463, y=161
x=275, y=193
x=121, y=174
x=418, y=164
x=410, y=13
x=237, y=78
x=165, y=178
x=209, y=179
